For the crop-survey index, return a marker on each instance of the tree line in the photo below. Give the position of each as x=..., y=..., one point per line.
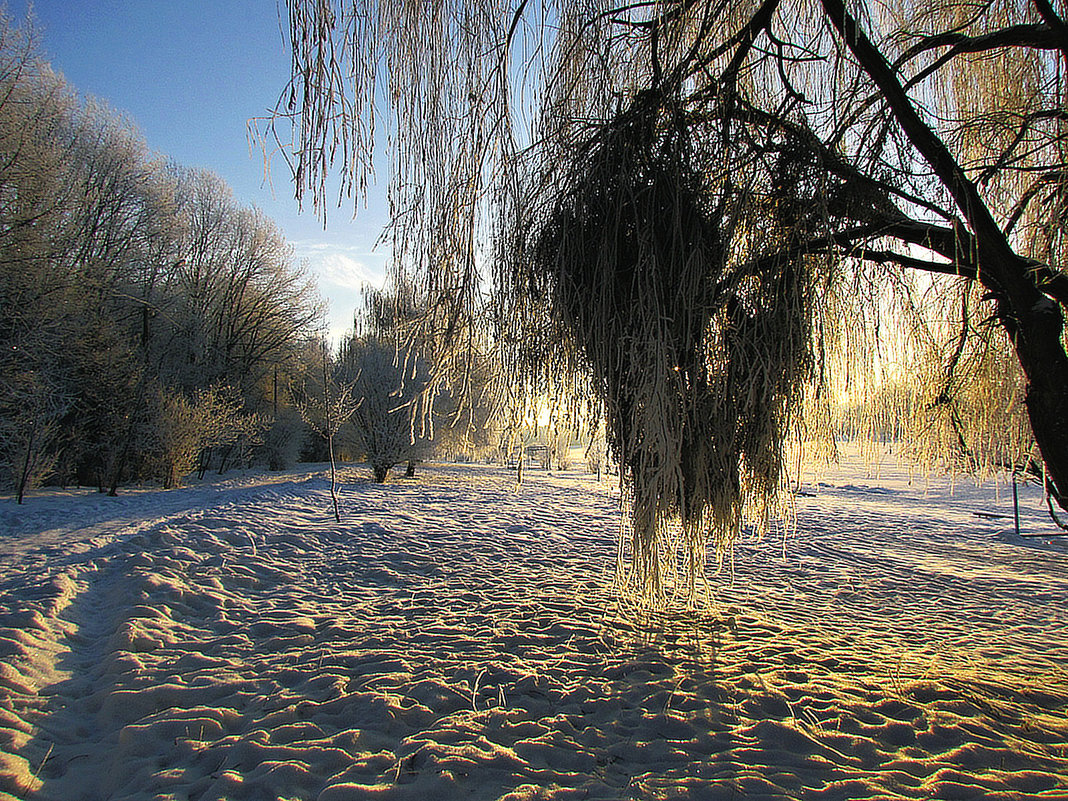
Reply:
x=146, y=318
x=151, y=326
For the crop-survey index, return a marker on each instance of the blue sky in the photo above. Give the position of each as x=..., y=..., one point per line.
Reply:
x=191, y=75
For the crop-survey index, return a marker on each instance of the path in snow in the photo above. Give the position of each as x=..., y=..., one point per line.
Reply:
x=455, y=637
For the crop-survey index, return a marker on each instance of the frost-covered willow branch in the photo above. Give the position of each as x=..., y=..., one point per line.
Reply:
x=700, y=213
x=550, y=188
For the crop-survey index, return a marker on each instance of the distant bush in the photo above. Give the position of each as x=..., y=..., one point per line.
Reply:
x=210, y=418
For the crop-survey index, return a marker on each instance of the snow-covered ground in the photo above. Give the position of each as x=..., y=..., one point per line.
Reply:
x=456, y=637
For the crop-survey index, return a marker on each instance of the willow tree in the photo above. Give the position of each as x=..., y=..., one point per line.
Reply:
x=670, y=198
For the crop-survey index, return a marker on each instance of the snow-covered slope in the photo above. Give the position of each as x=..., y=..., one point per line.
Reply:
x=457, y=637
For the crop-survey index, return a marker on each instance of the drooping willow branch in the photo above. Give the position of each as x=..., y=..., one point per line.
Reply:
x=666, y=201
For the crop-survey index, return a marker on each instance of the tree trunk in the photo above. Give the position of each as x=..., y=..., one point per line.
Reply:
x=1033, y=320
x=26, y=462
x=202, y=462
x=134, y=415
x=333, y=477
x=1037, y=339
x=410, y=471
x=330, y=429
x=116, y=472
x=224, y=459
x=380, y=472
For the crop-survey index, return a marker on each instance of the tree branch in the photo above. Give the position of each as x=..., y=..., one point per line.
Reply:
x=1056, y=23
x=995, y=253
x=1039, y=37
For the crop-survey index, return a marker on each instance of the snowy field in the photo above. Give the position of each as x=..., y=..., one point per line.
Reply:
x=455, y=637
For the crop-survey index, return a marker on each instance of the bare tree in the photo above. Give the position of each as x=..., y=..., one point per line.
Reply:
x=122, y=280
x=241, y=301
x=211, y=418
x=327, y=410
x=29, y=430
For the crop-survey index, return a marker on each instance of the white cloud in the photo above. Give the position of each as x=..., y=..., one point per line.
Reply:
x=340, y=265
x=340, y=276
x=344, y=271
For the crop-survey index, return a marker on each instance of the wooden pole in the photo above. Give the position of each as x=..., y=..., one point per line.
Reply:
x=1015, y=505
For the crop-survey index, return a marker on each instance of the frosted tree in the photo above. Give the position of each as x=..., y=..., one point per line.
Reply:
x=240, y=302
x=467, y=410
x=387, y=382
x=189, y=426
x=122, y=278
x=30, y=413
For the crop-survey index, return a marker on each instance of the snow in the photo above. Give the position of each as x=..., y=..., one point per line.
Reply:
x=457, y=636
